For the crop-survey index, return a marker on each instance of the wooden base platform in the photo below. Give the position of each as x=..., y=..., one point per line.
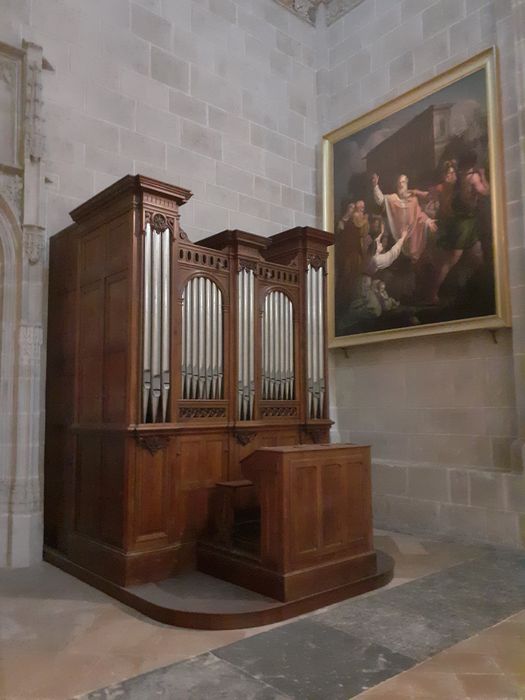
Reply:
x=199, y=601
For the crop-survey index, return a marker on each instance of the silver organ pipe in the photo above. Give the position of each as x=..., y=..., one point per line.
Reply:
x=278, y=376
x=246, y=344
x=202, y=357
x=166, y=326
x=315, y=380
x=207, y=353
x=156, y=329
x=146, y=341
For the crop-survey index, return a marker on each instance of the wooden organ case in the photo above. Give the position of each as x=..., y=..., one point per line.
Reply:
x=169, y=363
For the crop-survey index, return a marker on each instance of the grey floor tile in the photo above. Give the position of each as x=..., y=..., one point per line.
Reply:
x=310, y=661
x=422, y=617
x=404, y=632
x=202, y=678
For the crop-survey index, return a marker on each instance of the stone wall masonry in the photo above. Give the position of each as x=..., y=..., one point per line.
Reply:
x=205, y=94
x=444, y=414
x=230, y=98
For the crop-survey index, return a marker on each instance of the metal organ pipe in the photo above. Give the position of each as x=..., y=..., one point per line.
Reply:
x=166, y=326
x=146, y=328
x=156, y=325
x=315, y=341
x=202, y=359
x=245, y=344
x=278, y=345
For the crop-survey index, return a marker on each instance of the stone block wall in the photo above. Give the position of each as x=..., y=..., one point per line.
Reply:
x=230, y=98
x=217, y=96
x=443, y=414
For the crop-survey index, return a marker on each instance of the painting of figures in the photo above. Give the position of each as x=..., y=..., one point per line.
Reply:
x=413, y=193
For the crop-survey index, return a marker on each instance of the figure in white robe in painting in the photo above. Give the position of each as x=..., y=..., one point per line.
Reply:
x=404, y=213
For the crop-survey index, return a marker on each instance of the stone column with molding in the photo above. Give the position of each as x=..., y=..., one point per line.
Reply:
x=21, y=474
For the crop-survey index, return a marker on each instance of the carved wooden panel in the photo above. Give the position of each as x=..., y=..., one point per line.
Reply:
x=152, y=489
x=305, y=513
x=91, y=346
x=88, y=486
x=115, y=347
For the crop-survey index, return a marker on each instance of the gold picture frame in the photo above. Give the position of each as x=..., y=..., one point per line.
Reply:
x=460, y=219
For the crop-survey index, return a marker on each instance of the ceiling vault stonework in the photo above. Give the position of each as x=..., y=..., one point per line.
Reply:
x=307, y=9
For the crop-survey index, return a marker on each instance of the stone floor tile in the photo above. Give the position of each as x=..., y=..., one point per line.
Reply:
x=489, y=687
x=199, y=678
x=309, y=660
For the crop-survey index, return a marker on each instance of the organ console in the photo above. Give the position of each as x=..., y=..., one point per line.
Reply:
x=171, y=362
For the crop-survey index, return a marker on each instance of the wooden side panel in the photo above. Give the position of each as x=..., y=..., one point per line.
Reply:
x=305, y=514
x=115, y=348
x=112, y=490
x=151, y=494
x=329, y=506
x=91, y=347
x=359, y=509
x=334, y=499
x=201, y=461
x=88, y=490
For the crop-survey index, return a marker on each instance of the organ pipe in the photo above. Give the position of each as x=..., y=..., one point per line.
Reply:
x=315, y=380
x=156, y=340
x=278, y=344
x=245, y=344
x=202, y=359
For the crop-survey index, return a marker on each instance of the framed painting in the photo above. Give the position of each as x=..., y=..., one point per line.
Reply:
x=414, y=194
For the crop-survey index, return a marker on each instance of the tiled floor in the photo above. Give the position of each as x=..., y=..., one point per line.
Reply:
x=60, y=638
x=488, y=666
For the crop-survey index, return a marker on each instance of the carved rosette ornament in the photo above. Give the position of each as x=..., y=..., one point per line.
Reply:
x=159, y=222
x=153, y=443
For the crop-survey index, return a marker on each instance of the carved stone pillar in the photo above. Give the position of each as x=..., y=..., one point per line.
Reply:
x=22, y=276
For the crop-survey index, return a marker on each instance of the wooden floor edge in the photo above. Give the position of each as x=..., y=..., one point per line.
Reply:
x=226, y=621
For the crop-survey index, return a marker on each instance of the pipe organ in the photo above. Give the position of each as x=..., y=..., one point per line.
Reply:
x=169, y=362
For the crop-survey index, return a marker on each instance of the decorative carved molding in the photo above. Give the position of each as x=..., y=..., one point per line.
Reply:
x=34, y=122
x=30, y=343
x=307, y=9
x=244, y=438
x=153, y=443
x=159, y=222
x=8, y=73
x=197, y=412
x=11, y=188
x=279, y=412
x=317, y=261
x=248, y=265
x=34, y=244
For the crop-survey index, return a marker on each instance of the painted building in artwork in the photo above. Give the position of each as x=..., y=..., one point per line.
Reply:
x=414, y=150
